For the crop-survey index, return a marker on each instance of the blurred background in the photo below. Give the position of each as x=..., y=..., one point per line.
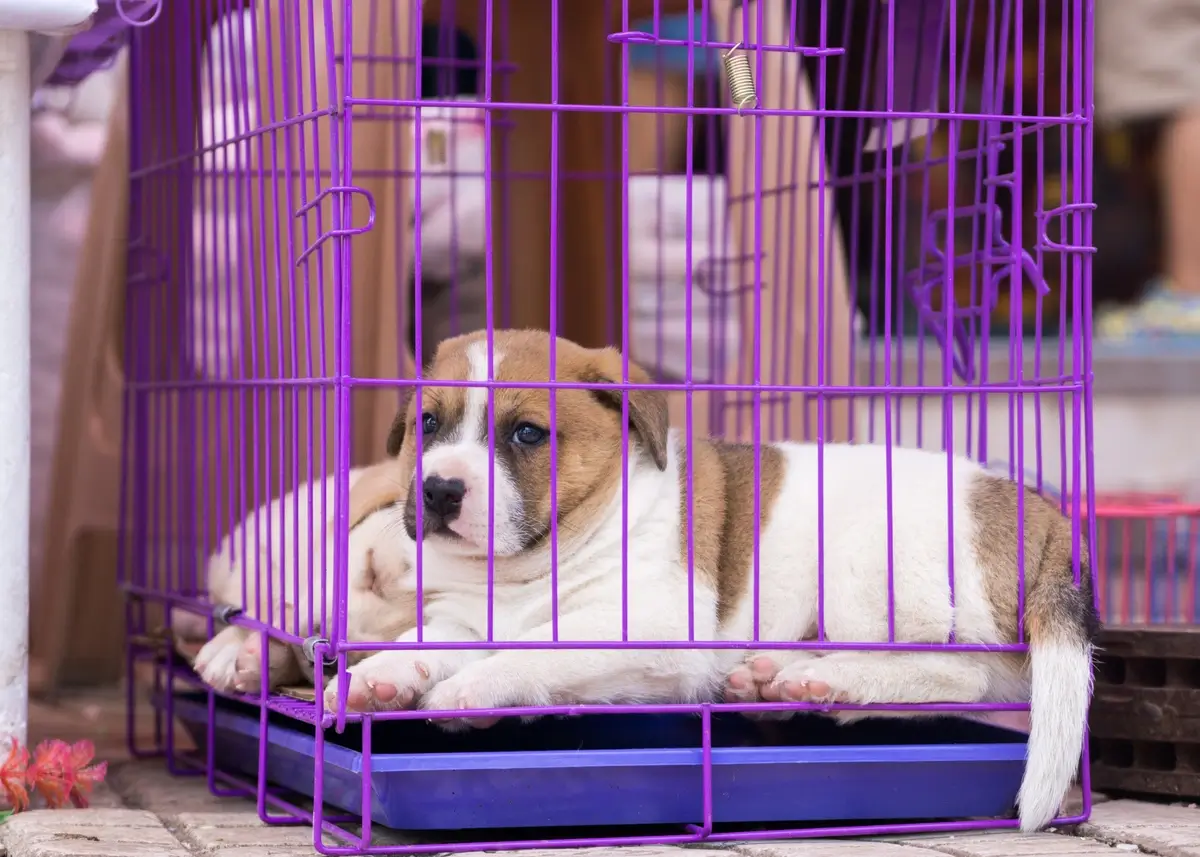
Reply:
x=1147, y=346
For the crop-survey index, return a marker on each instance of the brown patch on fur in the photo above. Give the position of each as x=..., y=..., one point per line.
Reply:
x=1054, y=606
x=587, y=423
x=447, y=402
x=377, y=487
x=723, y=513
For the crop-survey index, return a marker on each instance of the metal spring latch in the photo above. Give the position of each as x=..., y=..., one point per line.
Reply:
x=309, y=649
x=224, y=613
x=740, y=79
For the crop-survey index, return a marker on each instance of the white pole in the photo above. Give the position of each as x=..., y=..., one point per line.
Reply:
x=14, y=385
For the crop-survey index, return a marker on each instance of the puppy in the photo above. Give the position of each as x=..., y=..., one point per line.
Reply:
x=381, y=595
x=473, y=502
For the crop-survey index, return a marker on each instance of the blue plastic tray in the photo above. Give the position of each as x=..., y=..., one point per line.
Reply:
x=633, y=770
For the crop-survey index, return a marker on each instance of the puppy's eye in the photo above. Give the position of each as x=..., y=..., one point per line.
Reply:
x=429, y=424
x=527, y=434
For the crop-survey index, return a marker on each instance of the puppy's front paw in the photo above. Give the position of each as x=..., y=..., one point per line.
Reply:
x=281, y=665
x=386, y=681
x=216, y=662
x=808, y=681
x=477, y=688
x=751, y=680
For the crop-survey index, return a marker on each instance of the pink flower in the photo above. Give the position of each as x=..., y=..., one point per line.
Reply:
x=12, y=777
x=58, y=772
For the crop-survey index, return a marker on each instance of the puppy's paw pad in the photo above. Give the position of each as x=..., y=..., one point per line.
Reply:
x=740, y=686
x=390, y=695
x=763, y=669
x=358, y=695
x=248, y=672
x=803, y=689
x=458, y=694
x=383, y=683
x=217, y=665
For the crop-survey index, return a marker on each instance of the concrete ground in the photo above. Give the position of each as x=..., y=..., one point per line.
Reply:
x=145, y=812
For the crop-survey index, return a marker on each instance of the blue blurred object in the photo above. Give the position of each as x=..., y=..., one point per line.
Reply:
x=1172, y=573
x=674, y=57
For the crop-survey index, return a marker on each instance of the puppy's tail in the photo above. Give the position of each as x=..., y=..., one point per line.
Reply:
x=1061, y=625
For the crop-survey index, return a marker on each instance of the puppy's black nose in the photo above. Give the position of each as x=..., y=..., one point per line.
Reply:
x=444, y=496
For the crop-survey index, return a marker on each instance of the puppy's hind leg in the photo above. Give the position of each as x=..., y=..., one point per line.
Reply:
x=863, y=678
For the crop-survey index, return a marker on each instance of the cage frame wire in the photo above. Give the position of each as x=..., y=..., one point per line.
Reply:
x=1074, y=385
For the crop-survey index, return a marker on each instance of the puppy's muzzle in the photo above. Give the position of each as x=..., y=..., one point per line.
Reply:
x=443, y=498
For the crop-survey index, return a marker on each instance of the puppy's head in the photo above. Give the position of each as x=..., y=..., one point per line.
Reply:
x=458, y=470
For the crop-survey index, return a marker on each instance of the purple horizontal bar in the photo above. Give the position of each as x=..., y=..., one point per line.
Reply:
x=618, y=645
x=695, y=708
x=580, y=175
x=641, y=37
x=562, y=107
x=859, y=390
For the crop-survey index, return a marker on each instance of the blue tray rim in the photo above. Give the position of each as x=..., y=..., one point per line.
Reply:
x=351, y=760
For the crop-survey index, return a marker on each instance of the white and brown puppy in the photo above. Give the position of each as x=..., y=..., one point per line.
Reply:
x=470, y=499
x=381, y=599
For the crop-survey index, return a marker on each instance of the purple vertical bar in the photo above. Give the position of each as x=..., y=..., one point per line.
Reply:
x=340, y=170
x=1039, y=255
x=707, y=768
x=887, y=325
x=822, y=284
x=625, y=326
x=418, y=323
x=756, y=429
x=1063, y=265
x=263, y=744
x=505, y=197
x=779, y=291
x=948, y=321
x=1016, y=304
x=311, y=471
x=687, y=360
x=989, y=156
x=1083, y=226
x=319, y=740
x=555, y=176
x=660, y=161
x=489, y=23
x=368, y=724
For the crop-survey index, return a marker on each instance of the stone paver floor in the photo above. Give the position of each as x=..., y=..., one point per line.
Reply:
x=146, y=812
x=143, y=811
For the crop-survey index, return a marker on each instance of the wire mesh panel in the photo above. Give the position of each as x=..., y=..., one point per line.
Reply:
x=718, y=307
x=1146, y=554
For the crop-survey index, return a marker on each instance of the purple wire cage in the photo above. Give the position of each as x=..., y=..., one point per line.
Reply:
x=322, y=191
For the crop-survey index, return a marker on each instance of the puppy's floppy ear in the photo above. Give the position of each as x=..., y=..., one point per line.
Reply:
x=647, y=405
x=395, y=438
x=379, y=486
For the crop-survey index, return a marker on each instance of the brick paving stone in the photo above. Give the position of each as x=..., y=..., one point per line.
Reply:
x=87, y=833
x=149, y=785
x=213, y=833
x=224, y=834
x=1011, y=843
x=1172, y=831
